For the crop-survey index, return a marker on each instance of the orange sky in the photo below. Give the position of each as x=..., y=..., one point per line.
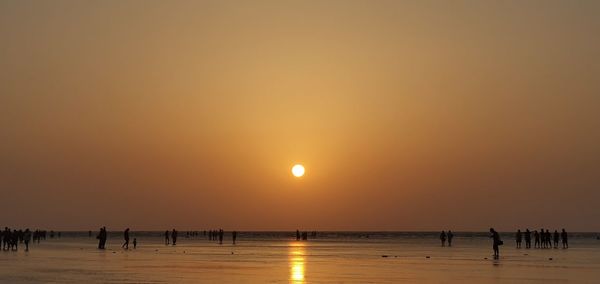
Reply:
x=407, y=115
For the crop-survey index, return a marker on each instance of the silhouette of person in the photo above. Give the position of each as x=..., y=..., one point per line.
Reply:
x=496, y=242
x=221, y=236
x=450, y=237
x=519, y=238
x=166, y=237
x=234, y=236
x=174, y=236
x=297, y=235
x=556, y=238
x=134, y=243
x=15, y=240
x=527, y=238
x=26, y=238
x=5, y=237
x=548, y=239
x=102, y=238
x=98, y=237
x=565, y=238
x=443, y=238
x=536, y=236
x=126, y=237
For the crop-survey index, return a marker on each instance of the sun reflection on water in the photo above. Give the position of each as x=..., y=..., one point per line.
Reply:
x=296, y=258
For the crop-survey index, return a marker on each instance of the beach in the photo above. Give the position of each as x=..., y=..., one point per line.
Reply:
x=276, y=257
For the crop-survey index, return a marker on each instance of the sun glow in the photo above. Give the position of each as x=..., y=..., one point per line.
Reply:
x=298, y=170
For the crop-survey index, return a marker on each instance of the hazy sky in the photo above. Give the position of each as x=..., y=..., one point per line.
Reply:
x=411, y=115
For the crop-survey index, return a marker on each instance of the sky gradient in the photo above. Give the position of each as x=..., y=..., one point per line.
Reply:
x=408, y=115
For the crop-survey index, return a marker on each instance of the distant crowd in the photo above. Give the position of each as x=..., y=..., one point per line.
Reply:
x=304, y=235
x=170, y=237
x=10, y=239
x=543, y=239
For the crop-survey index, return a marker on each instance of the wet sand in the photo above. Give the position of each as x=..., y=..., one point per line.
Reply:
x=348, y=258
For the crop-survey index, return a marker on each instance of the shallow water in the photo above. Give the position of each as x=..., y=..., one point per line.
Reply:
x=278, y=258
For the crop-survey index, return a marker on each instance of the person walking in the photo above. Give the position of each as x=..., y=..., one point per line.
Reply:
x=126, y=237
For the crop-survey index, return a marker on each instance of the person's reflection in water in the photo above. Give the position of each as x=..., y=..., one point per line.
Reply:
x=297, y=263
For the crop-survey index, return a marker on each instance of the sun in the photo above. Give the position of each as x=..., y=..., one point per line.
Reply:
x=298, y=170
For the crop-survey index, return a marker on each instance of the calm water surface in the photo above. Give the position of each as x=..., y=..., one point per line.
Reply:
x=278, y=258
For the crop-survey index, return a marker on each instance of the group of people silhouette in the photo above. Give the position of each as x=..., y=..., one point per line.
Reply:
x=304, y=235
x=543, y=239
x=9, y=240
x=173, y=240
x=102, y=236
x=446, y=236
x=216, y=235
x=170, y=237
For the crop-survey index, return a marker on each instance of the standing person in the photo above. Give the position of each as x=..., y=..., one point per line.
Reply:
x=101, y=238
x=134, y=243
x=450, y=237
x=234, y=236
x=174, y=236
x=527, y=238
x=548, y=239
x=536, y=236
x=519, y=238
x=166, y=237
x=126, y=237
x=15, y=240
x=27, y=238
x=443, y=238
x=6, y=236
x=496, y=242
x=104, y=237
x=297, y=235
x=565, y=239
x=556, y=238
x=221, y=236
x=543, y=238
